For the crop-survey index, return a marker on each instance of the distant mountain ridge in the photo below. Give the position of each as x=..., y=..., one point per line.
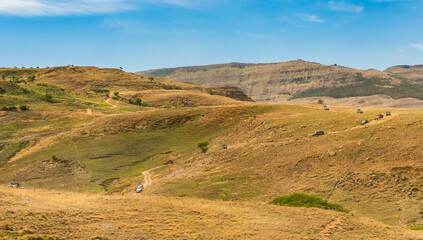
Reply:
x=275, y=82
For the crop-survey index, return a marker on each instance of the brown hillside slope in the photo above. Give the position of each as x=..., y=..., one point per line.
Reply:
x=86, y=79
x=279, y=82
x=406, y=71
x=267, y=82
x=40, y=213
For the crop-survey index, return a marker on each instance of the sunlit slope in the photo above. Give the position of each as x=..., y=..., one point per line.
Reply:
x=279, y=82
x=42, y=213
x=373, y=170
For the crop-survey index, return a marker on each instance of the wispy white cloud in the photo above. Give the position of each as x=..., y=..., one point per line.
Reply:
x=345, y=7
x=310, y=18
x=416, y=45
x=30, y=8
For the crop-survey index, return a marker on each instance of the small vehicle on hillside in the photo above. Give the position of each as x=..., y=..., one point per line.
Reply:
x=325, y=107
x=13, y=185
x=379, y=116
x=364, y=122
x=318, y=133
x=139, y=189
x=168, y=162
x=223, y=147
x=388, y=113
x=359, y=111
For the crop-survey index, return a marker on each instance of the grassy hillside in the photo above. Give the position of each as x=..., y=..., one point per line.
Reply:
x=277, y=82
x=80, y=154
x=408, y=72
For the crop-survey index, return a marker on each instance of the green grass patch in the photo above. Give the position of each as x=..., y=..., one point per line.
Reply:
x=308, y=201
x=416, y=227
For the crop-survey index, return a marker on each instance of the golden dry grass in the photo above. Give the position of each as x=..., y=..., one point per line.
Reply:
x=80, y=216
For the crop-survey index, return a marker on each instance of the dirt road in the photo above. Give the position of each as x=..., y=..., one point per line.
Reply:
x=109, y=101
x=147, y=176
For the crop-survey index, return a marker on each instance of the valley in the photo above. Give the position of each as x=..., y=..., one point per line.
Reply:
x=89, y=136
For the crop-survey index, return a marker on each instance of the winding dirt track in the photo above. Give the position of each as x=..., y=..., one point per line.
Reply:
x=109, y=101
x=147, y=176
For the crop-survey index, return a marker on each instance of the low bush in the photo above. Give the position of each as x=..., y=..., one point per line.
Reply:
x=97, y=90
x=225, y=194
x=203, y=145
x=50, y=86
x=9, y=108
x=31, y=78
x=49, y=97
x=23, y=107
x=2, y=90
x=115, y=98
x=416, y=228
x=304, y=200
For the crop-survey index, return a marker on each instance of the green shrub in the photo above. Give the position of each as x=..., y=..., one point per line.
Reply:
x=225, y=194
x=7, y=108
x=166, y=106
x=203, y=145
x=115, y=98
x=320, y=101
x=97, y=90
x=23, y=107
x=303, y=200
x=50, y=86
x=31, y=78
x=416, y=228
x=49, y=97
x=138, y=102
x=151, y=78
x=116, y=93
x=2, y=90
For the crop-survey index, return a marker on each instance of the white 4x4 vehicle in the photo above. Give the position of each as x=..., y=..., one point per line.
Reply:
x=139, y=189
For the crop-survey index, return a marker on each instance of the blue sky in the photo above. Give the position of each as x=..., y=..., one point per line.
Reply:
x=146, y=34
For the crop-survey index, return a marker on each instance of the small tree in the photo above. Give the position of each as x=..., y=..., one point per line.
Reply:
x=116, y=93
x=115, y=98
x=138, y=101
x=320, y=101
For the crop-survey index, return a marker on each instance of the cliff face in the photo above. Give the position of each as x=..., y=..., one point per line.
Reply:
x=231, y=92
